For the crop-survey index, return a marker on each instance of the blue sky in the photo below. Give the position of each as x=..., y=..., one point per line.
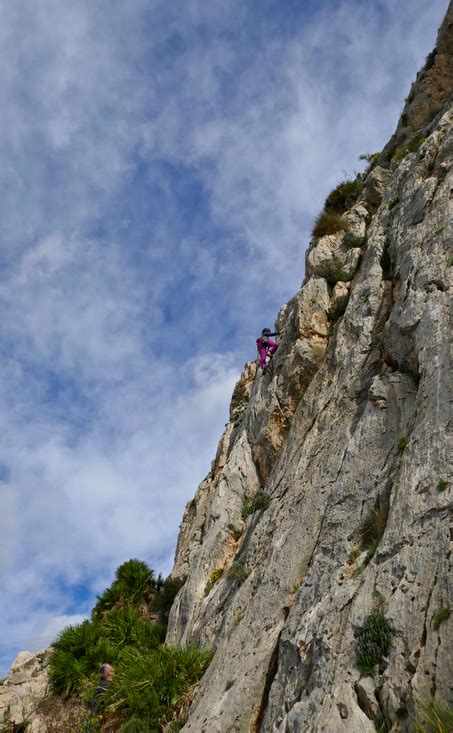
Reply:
x=161, y=167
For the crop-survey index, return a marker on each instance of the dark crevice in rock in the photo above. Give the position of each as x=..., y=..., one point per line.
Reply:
x=270, y=676
x=362, y=702
x=425, y=618
x=436, y=285
x=387, y=262
x=382, y=720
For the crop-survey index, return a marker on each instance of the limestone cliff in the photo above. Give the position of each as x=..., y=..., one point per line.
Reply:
x=348, y=437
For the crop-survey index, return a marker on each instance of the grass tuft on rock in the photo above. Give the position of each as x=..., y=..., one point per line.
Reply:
x=351, y=241
x=344, y=195
x=441, y=615
x=213, y=579
x=394, y=202
x=329, y=222
x=256, y=503
x=402, y=443
x=371, y=529
x=433, y=717
x=238, y=571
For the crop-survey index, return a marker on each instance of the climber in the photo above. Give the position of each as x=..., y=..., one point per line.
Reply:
x=265, y=346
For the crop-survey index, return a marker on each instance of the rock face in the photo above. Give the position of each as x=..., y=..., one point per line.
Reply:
x=347, y=437
x=22, y=689
x=27, y=705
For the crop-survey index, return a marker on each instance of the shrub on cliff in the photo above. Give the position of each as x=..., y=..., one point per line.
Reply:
x=344, y=195
x=256, y=503
x=329, y=222
x=373, y=642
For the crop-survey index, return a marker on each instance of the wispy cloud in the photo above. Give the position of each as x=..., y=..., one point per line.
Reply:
x=161, y=164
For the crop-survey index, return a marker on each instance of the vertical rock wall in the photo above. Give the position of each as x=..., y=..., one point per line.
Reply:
x=349, y=426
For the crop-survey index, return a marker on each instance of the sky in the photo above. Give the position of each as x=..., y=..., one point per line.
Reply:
x=162, y=162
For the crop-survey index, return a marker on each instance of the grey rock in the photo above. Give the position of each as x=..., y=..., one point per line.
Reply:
x=375, y=185
x=422, y=197
x=352, y=416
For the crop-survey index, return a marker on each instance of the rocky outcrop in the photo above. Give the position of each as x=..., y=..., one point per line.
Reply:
x=430, y=92
x=22, y=690
x=329, y=496
x=26, y=703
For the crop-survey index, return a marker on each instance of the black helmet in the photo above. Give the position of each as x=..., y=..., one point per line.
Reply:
x=266, y=332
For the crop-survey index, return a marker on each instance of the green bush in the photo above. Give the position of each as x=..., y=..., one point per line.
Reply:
x=443, y=614
x=213, y=579
x=372, y=160
x=343, y=196
x=373, y=642
x=125, y=627
x=429, y=61
x=329, y=222
x=134, y=582
x=79, y=651
x=415, y=144
x=336, y=311
x=442, y=485
x=136, y=725
x=163, y=600
x=149, y=685
x=258, y=502
x=76, y=656
x=238, y=571
x=400, y=154
x=402, y=443
x=351, y=241
x=333, y=271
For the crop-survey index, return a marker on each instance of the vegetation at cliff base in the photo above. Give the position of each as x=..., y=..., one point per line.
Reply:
x=153, y=682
